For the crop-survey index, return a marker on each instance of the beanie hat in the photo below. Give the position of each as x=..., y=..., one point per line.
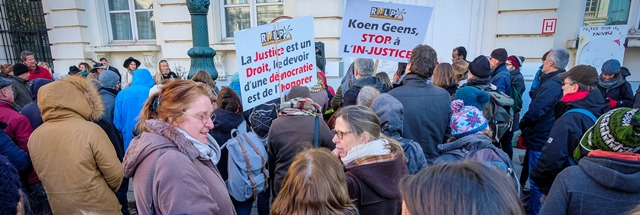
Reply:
x=472, y=96
x=35, y=86
x=500, y=54
x=610, y=67
x=5, y=82
x=480, y=67
x=466, y=120
x=73, y=70
x=108, y=79
x=298, y=92
x=9, y=188
x=19, y=69
x=616, y=131
x=515, y=61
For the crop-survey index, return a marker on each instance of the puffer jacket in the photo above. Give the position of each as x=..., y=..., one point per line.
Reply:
x=73, y=156
x=182, y=182
x=129, y=104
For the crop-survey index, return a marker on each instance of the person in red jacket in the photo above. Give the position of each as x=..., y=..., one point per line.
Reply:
x=35, y=71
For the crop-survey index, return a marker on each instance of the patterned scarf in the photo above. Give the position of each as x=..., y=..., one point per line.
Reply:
x=319, y=86
x=299, y=107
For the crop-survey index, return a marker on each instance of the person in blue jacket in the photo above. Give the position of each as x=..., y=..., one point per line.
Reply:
x=17, y=157
x=129, y=103
x=500, y=76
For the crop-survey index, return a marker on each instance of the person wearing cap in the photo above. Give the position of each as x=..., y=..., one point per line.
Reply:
x=131, y=64
x=513, y=64
x=35, y=71
x=21, y=86
x=293, y=131
x=537, y=121
x=605, y=181
x=580, y=93
x=614, y=88
x=500, y=76
x=426, y=106
x=31, y=110
x=108, y=91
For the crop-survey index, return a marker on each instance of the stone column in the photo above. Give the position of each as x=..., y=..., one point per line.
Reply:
x=201, y=54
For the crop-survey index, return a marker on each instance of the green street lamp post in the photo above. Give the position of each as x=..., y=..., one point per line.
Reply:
x=201, y=54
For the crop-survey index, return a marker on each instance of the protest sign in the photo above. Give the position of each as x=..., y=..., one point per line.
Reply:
x=274, y=57
x=600, y=43
x=383, y=31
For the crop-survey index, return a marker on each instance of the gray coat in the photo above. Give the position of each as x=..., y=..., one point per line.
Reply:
x=108, y=97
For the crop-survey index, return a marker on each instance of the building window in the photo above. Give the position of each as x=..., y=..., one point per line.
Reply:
x=131, y=20
x=243, y=14
x=606, y=12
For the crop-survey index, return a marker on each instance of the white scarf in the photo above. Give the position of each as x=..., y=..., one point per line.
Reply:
x=376, y=147
x=209, y=151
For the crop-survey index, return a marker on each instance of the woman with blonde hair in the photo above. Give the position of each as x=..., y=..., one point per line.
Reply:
x=444, y=77
x=315, y=184
x=164, y=72
x=374, y=163
x=205, y=78
x=460, y=69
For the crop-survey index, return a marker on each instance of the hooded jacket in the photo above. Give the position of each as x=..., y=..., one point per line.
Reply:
x=72, y=155
x=597, y=185
x=31, y=110
x=18, y=157
x=21, y=91
x=221, y=132
x=374, y=185
x=621, y=92
x=427, y=113
x=467, y=143
x=108, y=97
x=129, y=103
x=565, y=136
x=18, y=130
x=538, y=120
x=183, y=183
x=501, y=78
x=389, y=111
x=351, y=96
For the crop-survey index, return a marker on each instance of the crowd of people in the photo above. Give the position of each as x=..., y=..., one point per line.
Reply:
x=436, y=138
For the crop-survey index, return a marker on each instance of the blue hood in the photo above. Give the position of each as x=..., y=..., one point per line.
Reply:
x=142, y=77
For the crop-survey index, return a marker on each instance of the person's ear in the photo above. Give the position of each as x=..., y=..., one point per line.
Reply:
x=408, y=69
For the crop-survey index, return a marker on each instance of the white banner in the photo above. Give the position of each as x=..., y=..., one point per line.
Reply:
x=600, y=43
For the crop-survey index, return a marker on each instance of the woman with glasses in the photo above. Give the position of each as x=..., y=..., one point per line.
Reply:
x=173, y=161
x=374, y=163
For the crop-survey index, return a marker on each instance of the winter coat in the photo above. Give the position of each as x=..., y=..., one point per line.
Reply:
x=597, y=185
x=129, y=103
x=391, y=122
x=39, y=72
x=221, y=132
x=351, y=96
x=467, y=143
x=427, y=113
x=114, y=136
x=517, y=79
x=21, y=92
x=18, y=157
x=114, y=70
x=451, y=90
x=183, y=182
x=108, y=97
x=501, y=78
x=290, y=135
x=322, y=98
x=72, y=155
x=538, y=120
x=19, y=130
x=374, y=186
x=564, y=137
x=31, y=110
x=621, y=92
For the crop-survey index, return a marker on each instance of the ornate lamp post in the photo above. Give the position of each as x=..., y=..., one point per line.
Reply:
x=201, y=54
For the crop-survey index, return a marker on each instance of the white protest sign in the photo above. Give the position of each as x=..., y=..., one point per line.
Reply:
x=274, y=57
x=600, y=43
x=384, y=31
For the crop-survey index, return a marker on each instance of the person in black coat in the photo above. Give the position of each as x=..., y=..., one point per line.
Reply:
x=363, y=69
x=228, y=117
x=614, y=88
x=579, y=93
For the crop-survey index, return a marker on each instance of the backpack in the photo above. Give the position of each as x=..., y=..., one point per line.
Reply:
x=246, y=165
x=498, y=111
x=515, y=95
x=586, y=113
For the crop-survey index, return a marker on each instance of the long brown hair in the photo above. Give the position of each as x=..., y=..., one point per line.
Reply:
x=443, y=76
x=314, y=184
x=460, y=188
x=204, y=77
x=169, y=103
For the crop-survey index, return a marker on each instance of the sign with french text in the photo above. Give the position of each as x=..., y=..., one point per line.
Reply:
x=598, y=44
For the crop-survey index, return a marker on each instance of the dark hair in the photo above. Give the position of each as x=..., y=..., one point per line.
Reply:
x=423, y=60
x=461, y=51
x=467, y=187
x=229, y=100
x=544, y=56
x=103, y=58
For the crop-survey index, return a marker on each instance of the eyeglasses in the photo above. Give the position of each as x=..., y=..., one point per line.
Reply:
x=341, y=134
x=204, y=118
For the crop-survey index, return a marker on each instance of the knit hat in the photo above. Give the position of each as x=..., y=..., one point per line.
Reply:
x=298, y=92
x=9, y=188
x=617, y=131
x=584, y=74
x=472, y=96
x=480, y=67
x=35, y=86
x=500, y=54
x=466, y=120
x=108, y=79
x=19, y=69
x=515, y=61
x=5, y=82
x=610, y=67
x=73, y=70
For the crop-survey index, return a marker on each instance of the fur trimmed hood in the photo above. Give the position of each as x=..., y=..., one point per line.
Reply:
x=70, y=97
x=159, y=135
